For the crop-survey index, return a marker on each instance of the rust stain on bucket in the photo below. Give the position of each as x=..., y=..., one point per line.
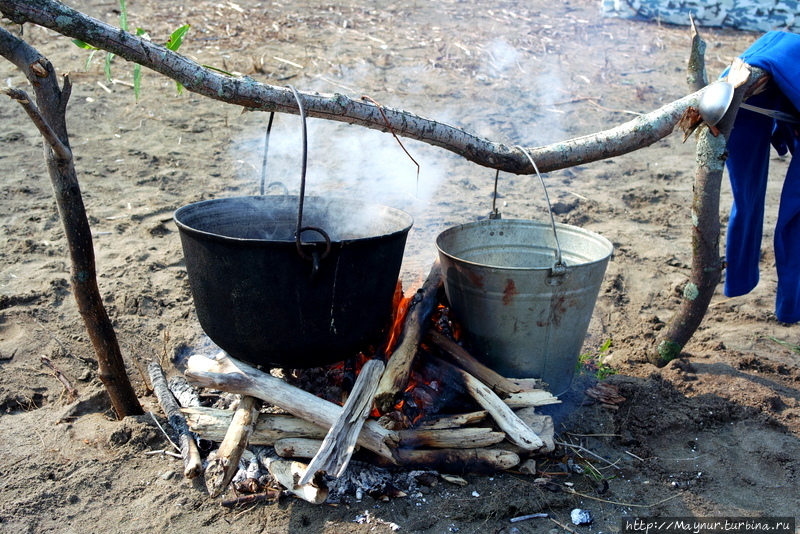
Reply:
x=509, y=292
x=476, y=279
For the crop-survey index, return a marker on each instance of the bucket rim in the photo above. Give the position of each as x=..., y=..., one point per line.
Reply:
x=405, y=219
x=522, y=222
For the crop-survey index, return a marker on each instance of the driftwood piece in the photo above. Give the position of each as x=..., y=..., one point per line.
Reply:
x=212, y=424
x=227, y=374
x=295, y=438
x=445, y=460
x=498, y=383
x=446, y=438
x=297, y=447
x=338, y=446
x=450, y=438
x=453, y=421
x=459, y=461
x=398, y=369
x=535, y=397
x=224, y=462
x=516, y=430
x=186, y=394
x=289, y=473
x=192, y=463
x=541, y=424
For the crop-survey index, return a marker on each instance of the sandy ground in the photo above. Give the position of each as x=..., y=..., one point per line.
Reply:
x=714, y=433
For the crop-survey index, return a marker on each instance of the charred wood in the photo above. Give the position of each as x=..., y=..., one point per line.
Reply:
x=398, y=368
x=498, y=383
x=184, y=393
x=193, y=465
x=339, y=443
x=459, y=461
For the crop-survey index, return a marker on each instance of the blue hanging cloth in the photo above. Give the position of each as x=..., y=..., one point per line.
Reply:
x=778, y=53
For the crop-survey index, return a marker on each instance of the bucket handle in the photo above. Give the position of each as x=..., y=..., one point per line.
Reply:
x=559, y=267
x=314, y=258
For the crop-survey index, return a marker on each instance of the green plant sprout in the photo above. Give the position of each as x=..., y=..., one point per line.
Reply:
x=593, y=363
x=174, y=42
x=595, y=474
x=791, y=346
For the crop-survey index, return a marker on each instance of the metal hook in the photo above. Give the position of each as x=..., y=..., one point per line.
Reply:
x=300, y=228
x=266, y=151
x=495, y=214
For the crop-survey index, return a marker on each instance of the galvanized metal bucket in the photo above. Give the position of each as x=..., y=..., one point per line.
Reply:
x=524, y=299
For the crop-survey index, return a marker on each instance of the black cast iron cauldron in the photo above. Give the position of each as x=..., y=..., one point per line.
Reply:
x=257, y=298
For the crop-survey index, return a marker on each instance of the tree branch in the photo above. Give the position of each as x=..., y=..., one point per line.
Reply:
x=50, y=118
x=248, y=93
x=712, y=151
x=63, y=153
x=696, y=76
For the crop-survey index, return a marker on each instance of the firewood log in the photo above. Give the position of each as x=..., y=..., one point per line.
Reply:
x=192, y=463
x=227, y=374
x=398, y=368
x=526, y=399
x=288, y=474
x=212, y=424
x=224, y=462
x=338, y=446
x=450, y=438
x=297, y=447
x=453, y=421
x=516, y=430
x=541, y=424
x=458, y=461
x=498, y=383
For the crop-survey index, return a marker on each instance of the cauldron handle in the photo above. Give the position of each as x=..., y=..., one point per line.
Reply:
x=314, y=258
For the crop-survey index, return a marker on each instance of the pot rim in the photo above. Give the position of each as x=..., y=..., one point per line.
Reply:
x=405, y=220
x=521, y=222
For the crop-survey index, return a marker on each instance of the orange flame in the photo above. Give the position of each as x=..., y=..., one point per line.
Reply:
x=401, y=305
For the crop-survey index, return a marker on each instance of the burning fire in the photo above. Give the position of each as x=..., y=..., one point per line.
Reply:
x=425, y=388
x=400, y=305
